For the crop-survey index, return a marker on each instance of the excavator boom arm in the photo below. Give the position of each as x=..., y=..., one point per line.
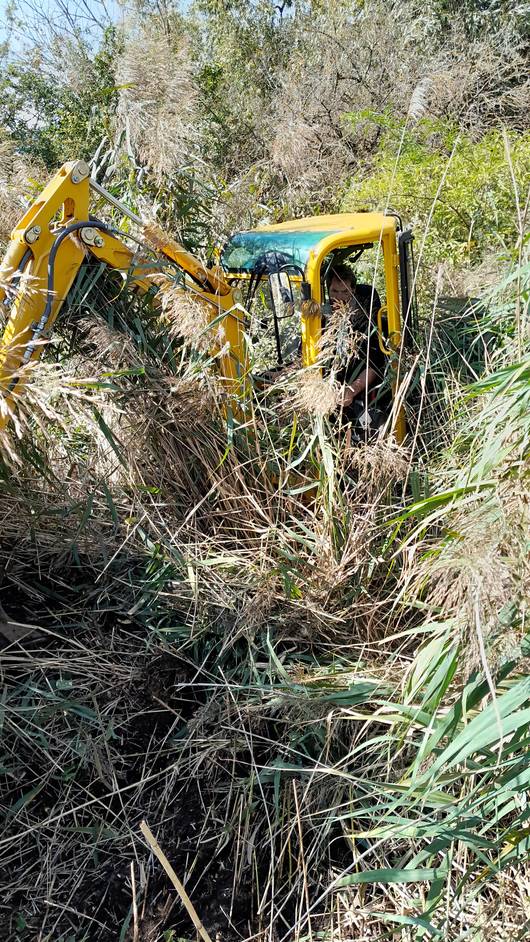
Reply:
x=44, y=256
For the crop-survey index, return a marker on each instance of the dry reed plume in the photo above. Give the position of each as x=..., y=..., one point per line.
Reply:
x=157, y=108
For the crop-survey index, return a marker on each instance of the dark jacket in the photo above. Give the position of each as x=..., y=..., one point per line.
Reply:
x=369, y=354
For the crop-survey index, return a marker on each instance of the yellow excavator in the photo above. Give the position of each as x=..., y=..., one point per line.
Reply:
x=281, y=271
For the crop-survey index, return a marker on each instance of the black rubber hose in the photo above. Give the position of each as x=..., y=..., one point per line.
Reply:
x=74, y=227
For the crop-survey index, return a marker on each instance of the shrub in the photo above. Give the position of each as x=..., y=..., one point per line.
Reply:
x=460, y=194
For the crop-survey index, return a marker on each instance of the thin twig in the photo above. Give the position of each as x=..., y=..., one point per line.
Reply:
x=134, y=904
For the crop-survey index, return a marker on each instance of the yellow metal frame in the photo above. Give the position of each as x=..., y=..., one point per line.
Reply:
x=352, y=229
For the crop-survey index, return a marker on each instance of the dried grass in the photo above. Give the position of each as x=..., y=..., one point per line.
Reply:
x=475, y=83
x=351, y=64
x=188, y=318
x=19, y=176
x=202, y=634
x=315, y=394
x=222, y=638
x=157, y=107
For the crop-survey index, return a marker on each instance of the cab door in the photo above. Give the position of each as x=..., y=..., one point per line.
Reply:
x=376, y=263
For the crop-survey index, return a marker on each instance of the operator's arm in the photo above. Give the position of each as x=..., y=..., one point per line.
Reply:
x=359, y=385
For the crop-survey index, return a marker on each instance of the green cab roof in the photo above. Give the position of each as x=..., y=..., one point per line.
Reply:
x=297, y=238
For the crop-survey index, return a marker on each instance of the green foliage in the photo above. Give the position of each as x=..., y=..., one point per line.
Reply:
x=460, y=194
x=53, y=120
x=478, y=17
x=239, y=48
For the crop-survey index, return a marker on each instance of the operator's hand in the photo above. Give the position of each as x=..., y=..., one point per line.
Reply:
x=348, y=396
x=359, y=386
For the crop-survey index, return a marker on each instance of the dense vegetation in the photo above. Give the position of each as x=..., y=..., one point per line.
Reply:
x=319, y=705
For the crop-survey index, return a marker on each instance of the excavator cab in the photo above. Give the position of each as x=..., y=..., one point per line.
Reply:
x=283, y=272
